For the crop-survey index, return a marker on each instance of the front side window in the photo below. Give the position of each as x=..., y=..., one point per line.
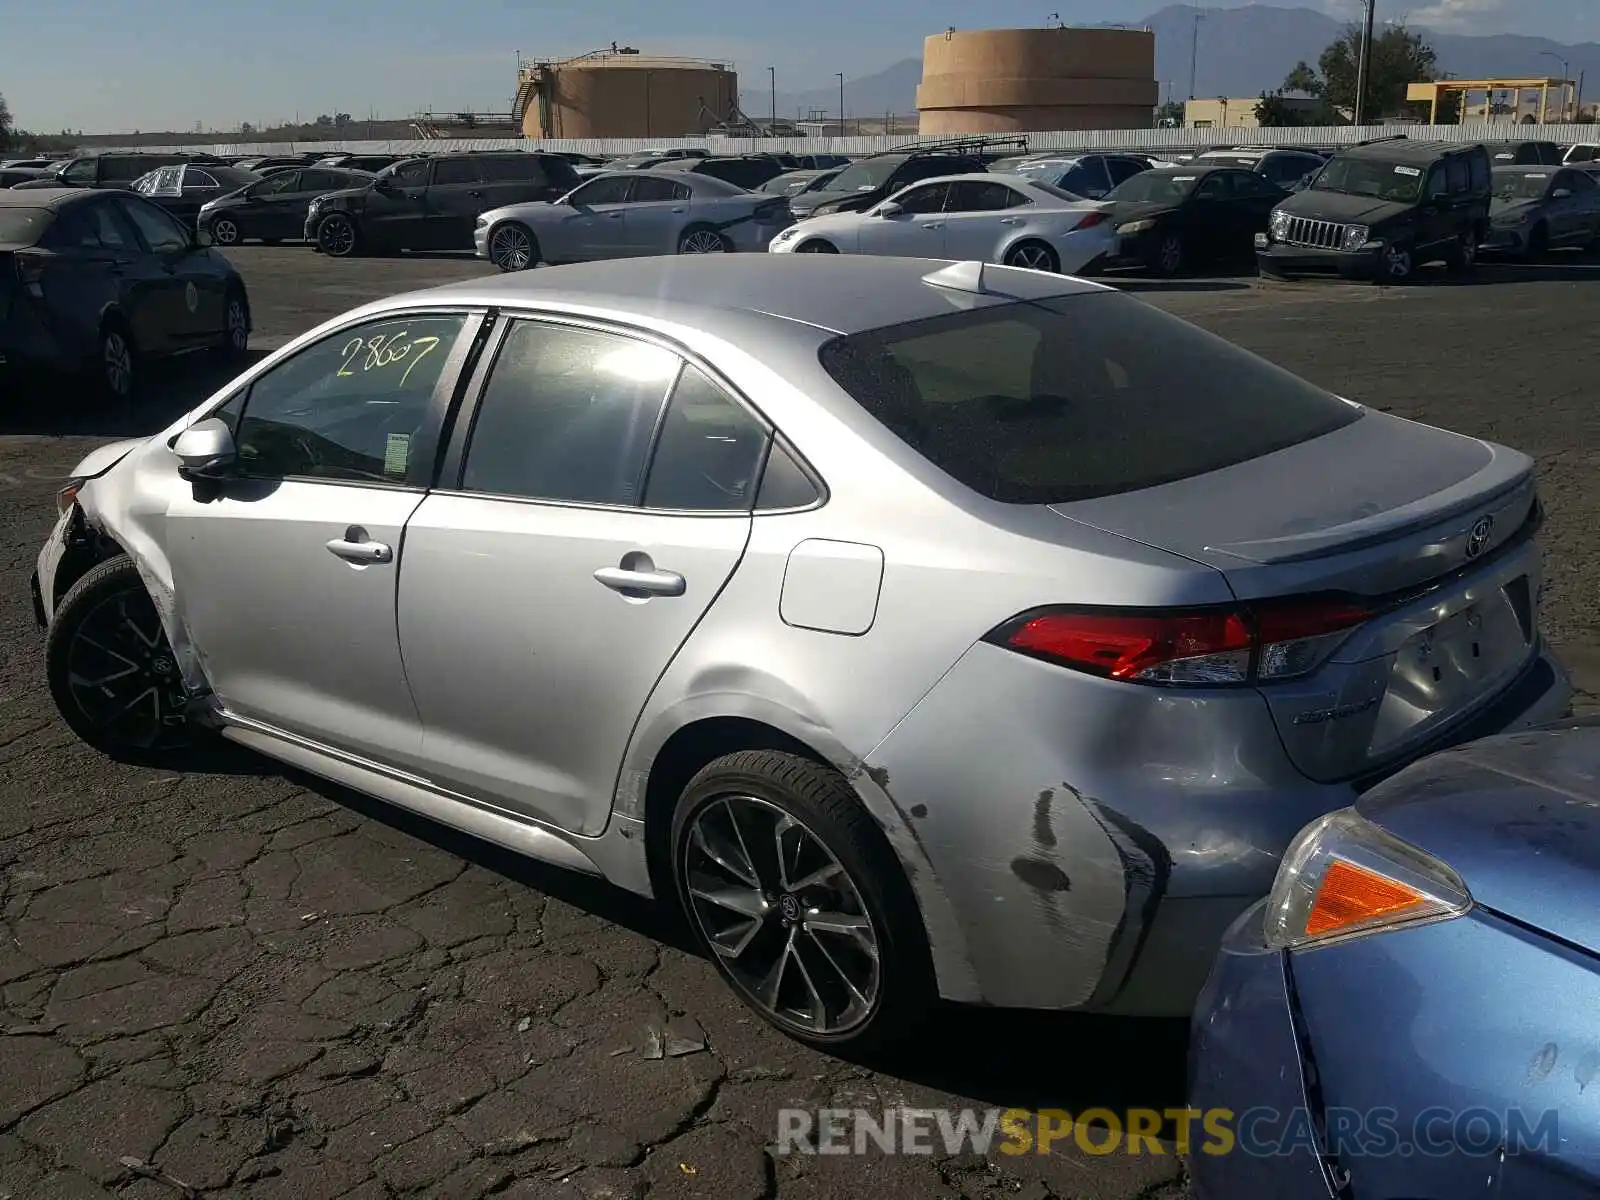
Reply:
x=160, y=232
x=82, y=171
x=708, y=452
x=1458, y=176
x=455, y=170
x=609, y=189
x=350, y=407
x=1061, y=400
x=923, y=200
x=283, y=182
x=567, y=415
x=410, y=174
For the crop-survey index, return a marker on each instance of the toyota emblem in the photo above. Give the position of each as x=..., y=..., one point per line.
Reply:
x=1478, y=536
x=789, y=907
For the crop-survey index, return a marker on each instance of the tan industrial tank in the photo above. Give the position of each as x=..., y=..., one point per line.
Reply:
x=615, y=94
x=1024, y=80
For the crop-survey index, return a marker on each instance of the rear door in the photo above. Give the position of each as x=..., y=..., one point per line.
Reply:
x=546, y=584
x=977, y=214
x=196, y=288
x=83, y=276
x=657, y=210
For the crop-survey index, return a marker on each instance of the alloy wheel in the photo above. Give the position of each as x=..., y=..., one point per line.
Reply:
x=224, y=232
x=122, y=676
x=238, y=326
x=511, y=249
x=782, y=914
x=1171, y=254
x=1397, y=262
x=337, y=236
x=117, y=360
x=817, y=246
x=1034, y=258
x=702, y=241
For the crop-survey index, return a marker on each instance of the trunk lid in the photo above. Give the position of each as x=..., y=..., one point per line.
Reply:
x=1429, y=527
x=1518, y=817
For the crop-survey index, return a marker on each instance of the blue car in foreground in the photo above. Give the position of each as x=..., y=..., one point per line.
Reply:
x=1413, y=1013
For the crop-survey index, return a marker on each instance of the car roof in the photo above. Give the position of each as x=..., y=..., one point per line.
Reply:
x=1406, y=150
x=836, y=294
x=1530, y=168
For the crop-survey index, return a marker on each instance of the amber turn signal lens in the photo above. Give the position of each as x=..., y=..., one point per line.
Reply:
x=1352, y=895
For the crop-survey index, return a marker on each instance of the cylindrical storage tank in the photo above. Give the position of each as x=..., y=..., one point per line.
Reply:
x=1027, y=80
x=631, y=96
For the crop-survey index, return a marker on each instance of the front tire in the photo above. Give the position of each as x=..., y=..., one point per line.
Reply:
x=816, y=246
x=793, y=892
x=512, y=247
x=1398, y=263
x=225, y=232
x=1170, y=256
x=337, y=236
x=1034, y=256
x=111, y=672
x=235, y=325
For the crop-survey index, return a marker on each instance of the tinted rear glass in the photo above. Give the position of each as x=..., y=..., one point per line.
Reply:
x=22, y=226
x=1062, y=400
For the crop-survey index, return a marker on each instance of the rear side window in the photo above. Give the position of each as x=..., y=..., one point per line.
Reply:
x=567, y=415
x=1061, y=400
x=708, y=452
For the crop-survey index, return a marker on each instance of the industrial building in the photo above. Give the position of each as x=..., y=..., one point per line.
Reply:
x=620, y=93
x=1026, y=80
x=1239, y=112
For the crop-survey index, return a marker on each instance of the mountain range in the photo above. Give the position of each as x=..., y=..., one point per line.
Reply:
x=1242, y=52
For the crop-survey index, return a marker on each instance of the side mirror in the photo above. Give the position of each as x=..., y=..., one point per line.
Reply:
x=386, y=187
x=202, y=238
x=1561, y=194
x=890, y=209
x=205, y=450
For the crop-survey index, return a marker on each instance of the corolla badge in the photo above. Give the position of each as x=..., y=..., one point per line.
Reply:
x=1478, y=536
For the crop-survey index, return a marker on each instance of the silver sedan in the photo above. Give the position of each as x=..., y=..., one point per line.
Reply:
x=911, y=624
x=624, y=214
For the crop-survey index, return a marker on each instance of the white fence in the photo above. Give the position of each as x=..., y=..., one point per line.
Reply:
x=1069, y=139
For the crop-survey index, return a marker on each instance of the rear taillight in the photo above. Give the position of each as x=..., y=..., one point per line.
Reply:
x=1090, y=220
x=1210, y=646
x=30, y=273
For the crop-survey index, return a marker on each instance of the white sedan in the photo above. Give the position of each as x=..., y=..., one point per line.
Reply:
x=996, y=218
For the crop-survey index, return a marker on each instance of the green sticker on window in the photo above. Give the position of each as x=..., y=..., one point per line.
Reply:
x=395, y=454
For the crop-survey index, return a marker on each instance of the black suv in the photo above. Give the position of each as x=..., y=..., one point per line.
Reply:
x=111, y=170
x=1382, y=209
x=433, y=203
x=748, y=171
x=878, y=176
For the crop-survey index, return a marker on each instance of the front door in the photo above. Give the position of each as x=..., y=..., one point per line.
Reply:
x=395, y=214
x=540, y=599
x=595, y=225
x=454, y=199
x=285, y=577
x=916, y=231
x=277, y=207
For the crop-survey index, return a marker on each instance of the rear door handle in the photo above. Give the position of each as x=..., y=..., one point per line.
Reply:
x=935, y=225
x=360, y=551
x=616, y=216
x=647, y=583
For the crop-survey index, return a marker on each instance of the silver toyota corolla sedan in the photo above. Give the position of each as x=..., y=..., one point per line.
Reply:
x=912, y=624
x=631, y=213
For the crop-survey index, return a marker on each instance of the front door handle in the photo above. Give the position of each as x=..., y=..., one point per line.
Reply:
x=355, y=547
x=616, y=216
x=476, y=195
x=642, y=583
x=934, y=225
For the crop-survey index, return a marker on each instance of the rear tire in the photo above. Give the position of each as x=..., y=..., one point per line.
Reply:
x=111, y=672
x=1034, y=256
x=826, y=944
x=702, y=239
x=118, y=366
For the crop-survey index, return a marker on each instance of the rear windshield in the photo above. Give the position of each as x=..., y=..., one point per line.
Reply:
x=866, y=175
x=1155, y=187
x=1522, y=185
x=22, y=226
x=1067, y=399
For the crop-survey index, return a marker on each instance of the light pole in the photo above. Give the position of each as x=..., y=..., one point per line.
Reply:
x=1359, y=115
x=840, y=75
x=1194, y=52
x=1566, y=82
x=772, y=78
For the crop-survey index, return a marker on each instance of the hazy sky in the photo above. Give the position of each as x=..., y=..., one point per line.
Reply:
x=116, y=65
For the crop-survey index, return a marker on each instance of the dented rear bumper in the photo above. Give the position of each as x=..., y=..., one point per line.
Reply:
x=1095, y=839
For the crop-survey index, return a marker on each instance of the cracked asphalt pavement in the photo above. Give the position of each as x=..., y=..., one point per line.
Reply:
x=239, y=981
